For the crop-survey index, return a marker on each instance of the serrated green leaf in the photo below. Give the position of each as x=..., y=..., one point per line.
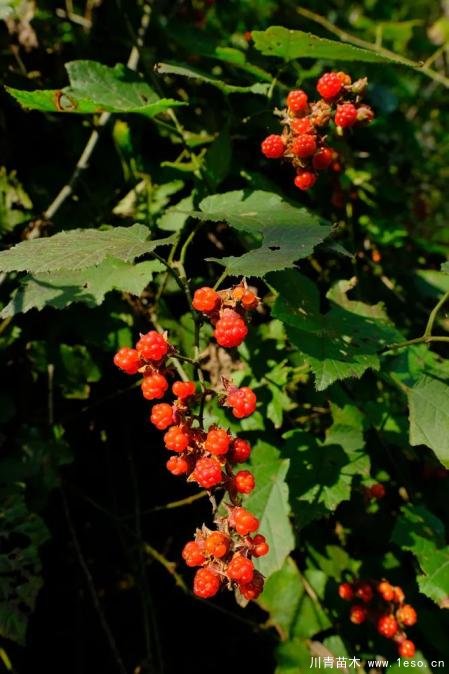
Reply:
x=61, y=289
x=259, y=88
x=288, y=233
x=429, y=416
x=423, y=534
x=269, y=502
x=293, y=44
x=79, y=249
x=95, y=87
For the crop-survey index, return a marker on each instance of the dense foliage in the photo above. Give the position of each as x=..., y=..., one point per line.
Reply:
x=131, y=175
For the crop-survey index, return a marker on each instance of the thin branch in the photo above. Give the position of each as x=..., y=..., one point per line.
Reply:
x=427, y=337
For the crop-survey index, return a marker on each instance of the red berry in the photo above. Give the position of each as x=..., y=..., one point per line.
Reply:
x=127, y=360
x=217, y=544
x=345, y=78
x=329, y=86
x=358, y=614
x=240, y=569
x=322, y=158
x=407, y=649
x=377, y=491
x=152, y=346
x=399, y=595
x=240, y=451
x=206, y=583
x=184, y=389
x=177, y=439
x=230, y=329
x=243, y=402
x=364, y=591
x=206, y=300
x=243, y=521
x=249, y=300
x=273, y=147
x=407, y=615
x=177, y=465
x=162, y=416
x=345, y=591
x=346, y=115
x=154, y=386
x=297, y=101
x=244, y=482
x=301, y=126
x=305, y=180
x=207, y=472
x=259, y=546
x=217, y=441
x=253, y=589
x=387, y=626
x=192, y=554
x=304, y=145
x=386, y=591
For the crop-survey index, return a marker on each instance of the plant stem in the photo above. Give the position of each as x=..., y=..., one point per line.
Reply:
x=433, y=315
x=427, y=337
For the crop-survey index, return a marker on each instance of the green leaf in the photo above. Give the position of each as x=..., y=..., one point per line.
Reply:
x=423, y=534
x=340, y=344
x=293, y=44
x=259, y=88
x=287, y=232
x=61, y=289
x=97, y=88
x=429, y=416
x=79, y=249
x=269, y=502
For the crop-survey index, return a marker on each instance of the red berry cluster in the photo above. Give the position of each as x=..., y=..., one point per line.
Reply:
x=383, y=604
x=304, y=137
x=208, y=456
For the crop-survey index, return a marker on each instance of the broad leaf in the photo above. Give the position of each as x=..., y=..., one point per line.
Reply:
x=287, y=232
x=293, y=44
x=79, y=249
x=194, y=73
x=97, y=88
x=423, y=534
x=61, y=289
x=429, y=416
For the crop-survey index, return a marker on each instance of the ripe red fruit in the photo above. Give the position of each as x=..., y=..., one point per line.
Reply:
x=152, y=346
x=217, y=544
x=127, y=360
x=345, y=591
x=273, y=147
x=407, y=615
x=192, y=554
x=240, y=569
x=329, y=86
x=206, y=300
x=345, y=78
x=206, y=583
x=387, y=626
x=162, y=416
x=297, y=101
x=244, y=482
x=243, y=521
x=177, y=465
x=154, y=386
x=259, y=546
x=358, y=614
x=207, y=472
x=364, y=591
x=377, y=491
x=249, y=300
x=184, y=389
x=177, y=439
x=399, y=595
x=407, y=649
x=322, y=158
x=253, y=589
x=346, y=115
x=301, y=126
x=304, y=145
x=240, y=451
x=230, y=329
x=305, y=180
x=217, y=441
x=243, y=402
x=386, y=590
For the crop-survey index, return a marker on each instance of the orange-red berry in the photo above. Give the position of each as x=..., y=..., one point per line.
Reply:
x=192, y=554
x=304, y=145
x=345, y=591
x=177, y=465
x=358, y=614
x=152, y=346
x=206, y=300
x=177, y=439
x=301, y=126
x=217, y=441
x=207, y=472
x=244, y=482
x=304, y=180
x=329, y=86
x=154, y=386
x=273, y=147
x=387, y=626
x=406, y=615
x=230, y=329
x=127, y=360
x=364, y=591
x=243, y=402
x=240, y=569
x=297, y=101
x=217, y=544
x=206, y=583
x=243, y=521
x=240, y=451
x=184, y=389
x=346, y=115
x=162, y=416
x=254, y=588
x=407, y=649
x=322, y=158
x=386, y=590
x=259, y=546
